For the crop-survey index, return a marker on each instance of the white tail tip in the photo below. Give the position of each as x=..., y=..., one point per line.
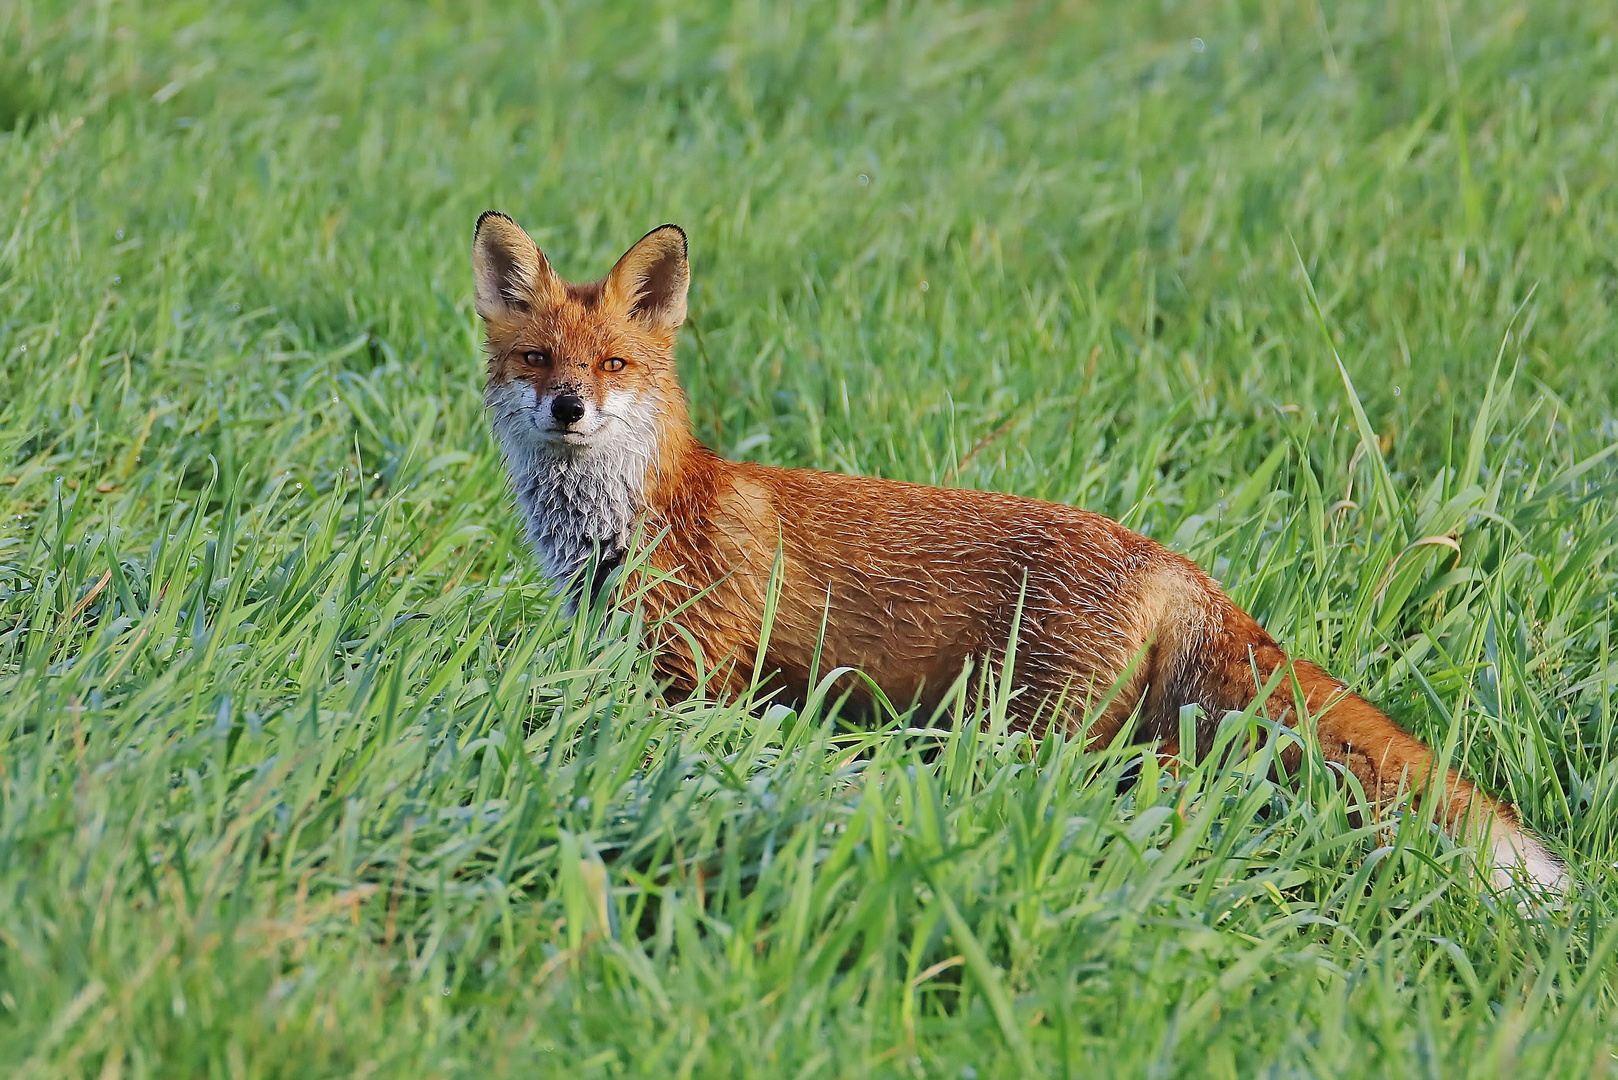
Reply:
x=1518, y=857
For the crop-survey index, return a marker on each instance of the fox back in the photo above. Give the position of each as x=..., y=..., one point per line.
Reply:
x=911, y=585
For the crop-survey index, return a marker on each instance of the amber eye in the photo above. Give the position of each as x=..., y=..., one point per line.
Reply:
x=612, y=363
x=538, y=357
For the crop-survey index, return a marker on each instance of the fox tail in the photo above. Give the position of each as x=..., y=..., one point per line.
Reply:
x=1227, y=664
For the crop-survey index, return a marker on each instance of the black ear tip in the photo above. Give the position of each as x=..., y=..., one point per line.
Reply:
x=485, y=216
x=685, y=245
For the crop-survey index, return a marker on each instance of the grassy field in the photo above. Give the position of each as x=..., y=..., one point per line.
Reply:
x=303, y=775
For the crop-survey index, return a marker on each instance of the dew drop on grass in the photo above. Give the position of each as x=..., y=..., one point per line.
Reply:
x=864, y=180
x=1198, y=45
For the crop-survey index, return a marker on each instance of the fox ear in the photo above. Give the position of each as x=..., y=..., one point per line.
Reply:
x=510, y=276
x=652, y=277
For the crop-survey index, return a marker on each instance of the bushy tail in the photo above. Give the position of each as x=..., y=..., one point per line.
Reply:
x=1387, y=761
x=1223, y=670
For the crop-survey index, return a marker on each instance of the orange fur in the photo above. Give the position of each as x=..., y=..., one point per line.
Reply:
x=912, y=583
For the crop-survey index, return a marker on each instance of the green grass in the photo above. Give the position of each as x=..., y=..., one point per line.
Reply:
x=303, y=775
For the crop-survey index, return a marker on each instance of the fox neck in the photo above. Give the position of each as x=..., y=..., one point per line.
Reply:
x=582, y=502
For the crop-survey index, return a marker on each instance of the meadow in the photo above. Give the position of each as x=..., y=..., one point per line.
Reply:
x=303, y=773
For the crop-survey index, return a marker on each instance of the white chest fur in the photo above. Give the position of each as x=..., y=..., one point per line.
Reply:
x=573, y=504
x=577, y=500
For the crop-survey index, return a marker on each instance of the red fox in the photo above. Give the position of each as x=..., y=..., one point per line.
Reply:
x=909, y=584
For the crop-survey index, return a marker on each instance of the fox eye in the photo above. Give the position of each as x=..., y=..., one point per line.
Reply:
x=538, y=357
x=612, y=363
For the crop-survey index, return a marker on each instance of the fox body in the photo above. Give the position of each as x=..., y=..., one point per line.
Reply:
x=907, y=583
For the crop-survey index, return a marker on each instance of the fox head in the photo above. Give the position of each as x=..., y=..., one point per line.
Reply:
x=580, y=371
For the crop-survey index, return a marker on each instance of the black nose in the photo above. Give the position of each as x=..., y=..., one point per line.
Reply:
x=567, y=409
